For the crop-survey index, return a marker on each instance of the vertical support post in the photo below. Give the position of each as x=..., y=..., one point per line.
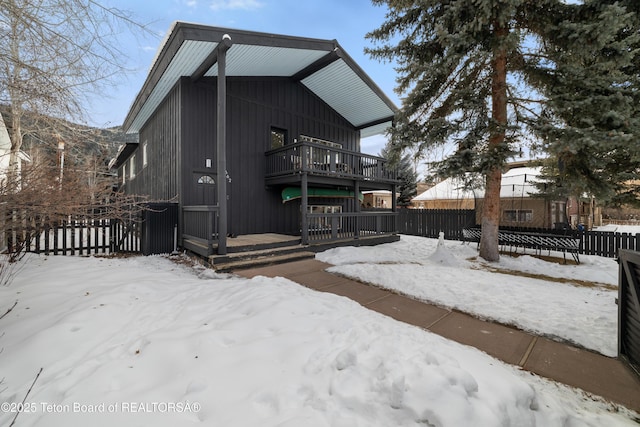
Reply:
x=221, y=141
x=356, y=199
x=394, y=207
x=211, y=217
x=304, y=208
x=394, y=202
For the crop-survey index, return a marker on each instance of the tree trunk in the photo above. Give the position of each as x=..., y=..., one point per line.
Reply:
x=489, y=247
x=13, y=170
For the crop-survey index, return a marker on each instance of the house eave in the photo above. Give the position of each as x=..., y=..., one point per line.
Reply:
x=322, y=66
x=124, y=152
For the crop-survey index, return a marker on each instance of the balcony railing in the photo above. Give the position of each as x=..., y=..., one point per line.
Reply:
x=350, y=225
x=200, y=228
x=319, y=159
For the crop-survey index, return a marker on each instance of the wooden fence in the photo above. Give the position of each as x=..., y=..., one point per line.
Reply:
x=629, y=309
x=429, y=223
x=607, y=243
x=85, y=237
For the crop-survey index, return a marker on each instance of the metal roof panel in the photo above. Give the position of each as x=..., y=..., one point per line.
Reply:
x=251, y=60
x=341, y=83
x=184, y=63
x=343, y=89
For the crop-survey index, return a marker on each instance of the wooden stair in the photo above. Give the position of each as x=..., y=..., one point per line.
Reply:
x=259, y=258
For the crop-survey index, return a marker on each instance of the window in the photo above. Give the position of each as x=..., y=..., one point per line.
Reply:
x=132, y=167
x=206, y=179
x=144, y=154
x=518, y=215
x=278, y=138
x=124, y=174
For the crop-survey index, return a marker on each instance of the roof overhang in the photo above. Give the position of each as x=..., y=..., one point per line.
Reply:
x=124, y=152
x=322, y=66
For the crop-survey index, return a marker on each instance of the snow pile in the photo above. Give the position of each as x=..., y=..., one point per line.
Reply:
x=533, y=304
x=144, y=341
x=443, y=255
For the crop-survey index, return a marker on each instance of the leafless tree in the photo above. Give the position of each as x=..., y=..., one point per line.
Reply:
x=56, y=55
x=50, y=192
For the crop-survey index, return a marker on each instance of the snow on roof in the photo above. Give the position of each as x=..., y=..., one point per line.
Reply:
x=449, y=189
x=517, y=182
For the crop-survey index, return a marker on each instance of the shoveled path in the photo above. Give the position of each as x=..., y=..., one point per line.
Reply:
x=589, y=371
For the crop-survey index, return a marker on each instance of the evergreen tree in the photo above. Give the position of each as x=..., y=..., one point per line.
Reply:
x=591, y=122
x=484, y=74
x=406, y=175
x=463, y=64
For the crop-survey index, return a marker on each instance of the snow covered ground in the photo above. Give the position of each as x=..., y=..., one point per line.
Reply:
x=147, y=342
x=453, y=276
x=632, y=229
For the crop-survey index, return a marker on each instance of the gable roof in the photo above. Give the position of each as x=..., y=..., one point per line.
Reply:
x=448, y=189
x=516, y=182
x=322, y=66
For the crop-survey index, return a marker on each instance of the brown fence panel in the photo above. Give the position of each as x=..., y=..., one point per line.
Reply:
x=629, y=309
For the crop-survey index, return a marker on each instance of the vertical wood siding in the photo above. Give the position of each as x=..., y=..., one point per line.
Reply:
x=181, y=136
x=159, y=179
x=253, y=107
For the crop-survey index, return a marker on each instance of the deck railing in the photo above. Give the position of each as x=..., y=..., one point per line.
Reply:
x=320, y=159
x=350, y=225
x=200, y=228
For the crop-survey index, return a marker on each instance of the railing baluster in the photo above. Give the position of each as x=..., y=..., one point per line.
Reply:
x=350, y=225
x=319, y=159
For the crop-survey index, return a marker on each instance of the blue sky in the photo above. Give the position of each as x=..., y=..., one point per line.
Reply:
x=347, y=21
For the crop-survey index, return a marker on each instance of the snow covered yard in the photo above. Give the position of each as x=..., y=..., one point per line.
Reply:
x=579, y=306
x=145, y=341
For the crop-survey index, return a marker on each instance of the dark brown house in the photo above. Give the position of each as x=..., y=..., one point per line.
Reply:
x=291, y=112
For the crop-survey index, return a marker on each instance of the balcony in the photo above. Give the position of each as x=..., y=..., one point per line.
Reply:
x=327, y=164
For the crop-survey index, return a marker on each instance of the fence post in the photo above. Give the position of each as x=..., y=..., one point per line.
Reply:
x=112, y=235
x=81, y=237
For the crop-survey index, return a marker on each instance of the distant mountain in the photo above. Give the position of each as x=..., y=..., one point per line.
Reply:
x=42, y=135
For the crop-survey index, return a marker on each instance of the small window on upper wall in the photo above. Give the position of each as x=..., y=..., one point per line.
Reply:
x=144, y=154
x=132, y=167
x=278, y=137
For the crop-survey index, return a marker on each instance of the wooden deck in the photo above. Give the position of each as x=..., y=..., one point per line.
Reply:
x=253, y=250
